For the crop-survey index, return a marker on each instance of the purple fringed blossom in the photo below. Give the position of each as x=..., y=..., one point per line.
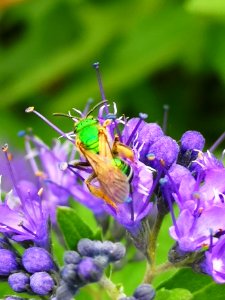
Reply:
x=200, y=226
x=131, y=212
x=58, y=184
x=206, y=161
x=193, y=231
x=215, y=261
x=22, y=216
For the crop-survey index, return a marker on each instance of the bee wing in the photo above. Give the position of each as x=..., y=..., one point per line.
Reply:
x=104, y=147
x=113, y=182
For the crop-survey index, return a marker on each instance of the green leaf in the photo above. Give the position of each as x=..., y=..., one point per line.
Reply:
x=98, y=234
x=213, y=8
x=175, y=294
x=201, y=286
x=211, y=291
x=72, y=227
x=187, y=279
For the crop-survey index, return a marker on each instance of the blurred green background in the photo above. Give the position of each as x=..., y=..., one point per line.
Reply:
x=152, y=52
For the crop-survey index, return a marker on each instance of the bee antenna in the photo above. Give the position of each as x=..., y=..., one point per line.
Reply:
x=63, y=115
x=96, y=106
x=96, y=66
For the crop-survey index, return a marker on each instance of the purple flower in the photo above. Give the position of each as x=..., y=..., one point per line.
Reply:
x=58, y=184
x=22, y=216
x=204, y=189
x=138, y=205
x=215, y=261
x=193, y=231
x=206, y=161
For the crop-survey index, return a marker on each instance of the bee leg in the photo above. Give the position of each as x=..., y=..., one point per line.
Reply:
x=80, y=165
x=122, y=150
x=97, y=191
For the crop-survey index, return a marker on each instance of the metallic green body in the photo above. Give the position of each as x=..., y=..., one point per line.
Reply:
x=87, y=131
x=124, y=167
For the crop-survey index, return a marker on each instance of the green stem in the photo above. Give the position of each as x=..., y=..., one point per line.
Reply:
x=150, y=275
x=112, y=290
x=163, y=268
x=151, y=252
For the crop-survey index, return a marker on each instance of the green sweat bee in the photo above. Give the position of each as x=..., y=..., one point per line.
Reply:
x=109, y=168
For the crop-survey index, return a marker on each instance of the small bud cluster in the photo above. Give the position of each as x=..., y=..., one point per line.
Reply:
x=142, y=292
x=87, y=265
x=30, y=273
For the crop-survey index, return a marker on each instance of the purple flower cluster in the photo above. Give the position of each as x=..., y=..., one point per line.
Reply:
x=199, y=228
x=58, y=185
x=125, y=168
x=87, y=265
x=22, y=216
x=30, y=273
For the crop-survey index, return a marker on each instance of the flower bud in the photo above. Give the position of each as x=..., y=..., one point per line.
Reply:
x=176, y=255
x=102, y=261
x=164, y=150
x=71, y=257
x=37, y=259
x=41, y=283
x=147, y=136
x=144, y=292
x=65, y=291
x=192, y=140
x=114, y=251
x=88, y=247
x=8, y=262
x=130, y=127
x=19, y=282
x=89, y=271
x=69, y=274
